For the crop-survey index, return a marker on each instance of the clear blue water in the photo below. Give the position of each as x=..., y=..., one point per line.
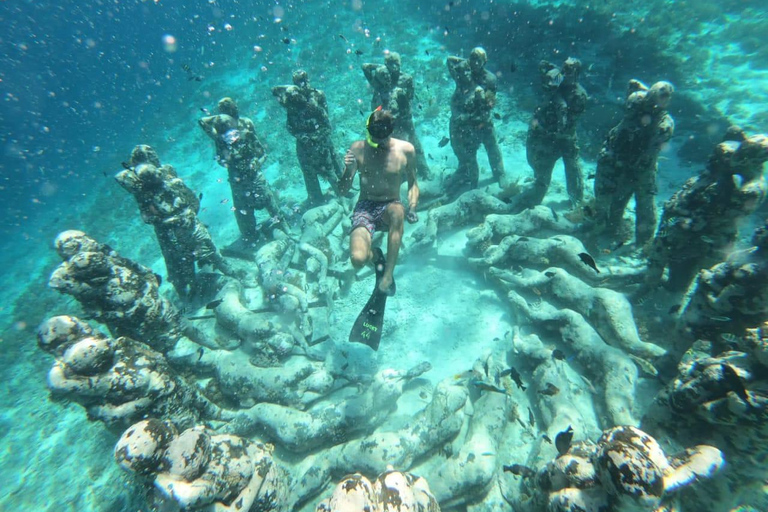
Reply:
x=81, y=83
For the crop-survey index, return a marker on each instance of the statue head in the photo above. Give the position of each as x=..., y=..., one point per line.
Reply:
x=477, y=59
x=229, y=107
x=300, y=78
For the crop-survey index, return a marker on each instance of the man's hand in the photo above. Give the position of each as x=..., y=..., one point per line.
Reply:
x=349, y=158
x=412, y=217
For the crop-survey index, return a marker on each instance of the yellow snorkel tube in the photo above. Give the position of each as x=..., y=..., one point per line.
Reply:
x=368, y=137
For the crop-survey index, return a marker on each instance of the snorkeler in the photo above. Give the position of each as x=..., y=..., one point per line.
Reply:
x=393, y=90
x=240, y=151
x=308, y=121
x=381, y=161
x=471, y=121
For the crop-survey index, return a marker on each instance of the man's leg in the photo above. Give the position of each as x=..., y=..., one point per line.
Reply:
x=394, y=217
x=360, y=247
x=645, y=211
x=244, y=214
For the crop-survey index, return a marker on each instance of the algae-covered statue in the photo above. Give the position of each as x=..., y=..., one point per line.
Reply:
x=393, y=90
x=308, y=121
x=700, y=222
x=628, y=161
x=471, y=120
x=240, y=151
x=552, y=131
x=171, y=207
x=115, y=290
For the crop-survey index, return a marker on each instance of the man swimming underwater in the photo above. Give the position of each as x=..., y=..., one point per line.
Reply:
x=381, y=161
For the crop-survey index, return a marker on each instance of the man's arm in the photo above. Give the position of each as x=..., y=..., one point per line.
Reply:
x=413, y=186
x=207, y=124
x=350, y=169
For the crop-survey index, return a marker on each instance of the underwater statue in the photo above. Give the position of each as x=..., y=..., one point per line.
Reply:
x=407, y=492
x=628, y=161
x=625, y=471
x=199, y=469
x=115, y=290
x=170, y=207
x=552, y=131
x=731, y=296
x=240, y=151
x=117, y=380
x=308, y=121
x=393, y=90
x=700, y=222
x=471, y=121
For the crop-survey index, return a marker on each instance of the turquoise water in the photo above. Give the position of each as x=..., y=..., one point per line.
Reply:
x=82, y=84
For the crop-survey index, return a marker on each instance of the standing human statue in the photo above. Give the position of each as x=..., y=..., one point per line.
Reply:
x=552, y=131
x=393, y=91
x=308, y=121
x=240, y=151
x=170, y=207
x=471, y=122
x=628, y=161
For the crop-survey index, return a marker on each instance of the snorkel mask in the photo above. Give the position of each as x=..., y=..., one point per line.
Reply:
x=368, y=137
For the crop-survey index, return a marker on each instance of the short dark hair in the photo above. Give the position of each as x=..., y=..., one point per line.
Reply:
x=381, y=123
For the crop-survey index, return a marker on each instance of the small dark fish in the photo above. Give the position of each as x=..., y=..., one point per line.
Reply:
x=618, y=246
x=185, y=67
x=214, y=304
x=720, y=319
x=512, y=67
x=514, y=375
x=549, y=273
x=104, y=173
x=443, y=142
x=531, y=418
x=126, y=165
x=343, y=38
x=429, y=155
x=546, y=438
x=345, y=366
x=484, y=386
x=549, y=390
x=674, y=309
x=554, y=214
x=195, y=78
x=496, y=115
x=558, y=354
x=563, y=440
x=200, y=353
x=426, y=52
x=287, y=40
x=358, y=52
x=205, y=111
x=446, y=30
x=588, y=261
x=734, y=383
x=361, y=113
x=520, y=470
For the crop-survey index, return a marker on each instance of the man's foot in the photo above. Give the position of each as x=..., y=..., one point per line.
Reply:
x=385, y=284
